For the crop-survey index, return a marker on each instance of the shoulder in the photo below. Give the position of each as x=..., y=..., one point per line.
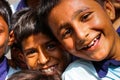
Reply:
x=80, y=69
x=12, y=71
x=80, y=63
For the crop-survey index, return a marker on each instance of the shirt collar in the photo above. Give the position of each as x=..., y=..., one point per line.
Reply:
x=118, y=30
x=102, y=66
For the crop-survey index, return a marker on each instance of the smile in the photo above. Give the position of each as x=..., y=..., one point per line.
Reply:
x=94, y=41
x=50, y=70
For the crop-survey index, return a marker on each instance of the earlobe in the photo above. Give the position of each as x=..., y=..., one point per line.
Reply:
x=108, y=6
x=11, y=38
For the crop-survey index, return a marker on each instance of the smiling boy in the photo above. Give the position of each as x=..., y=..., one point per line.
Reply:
x=40, y=48
x=85, y=29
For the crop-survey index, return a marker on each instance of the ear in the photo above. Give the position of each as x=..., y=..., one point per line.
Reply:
x=108, y=6
x=11, y=38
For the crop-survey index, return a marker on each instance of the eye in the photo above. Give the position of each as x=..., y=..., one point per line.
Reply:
x=30, y=52
x=85, y=17
x=1, y=31
x=51, y=46
x=67, y=33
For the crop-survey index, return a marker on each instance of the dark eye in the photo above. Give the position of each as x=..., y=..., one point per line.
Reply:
x=85, y=17
x=29, y=52
x=1, y=31
x=51, y=46
x=67, y=32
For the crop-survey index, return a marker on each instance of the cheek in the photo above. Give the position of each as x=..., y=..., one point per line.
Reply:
x=57, y=54
x=3, y=45
x=68, y=44
x=31, y=62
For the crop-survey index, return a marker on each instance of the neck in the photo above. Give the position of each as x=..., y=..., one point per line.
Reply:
x=116, y=49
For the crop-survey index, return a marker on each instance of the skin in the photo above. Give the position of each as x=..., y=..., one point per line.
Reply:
x=86, y=24
x=116, y=4
x=4, y=36
x=42, y=54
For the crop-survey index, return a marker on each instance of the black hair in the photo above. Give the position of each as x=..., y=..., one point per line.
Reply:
x=6, y=12
x=46, y=6
x=28, y=23
x=31, y=75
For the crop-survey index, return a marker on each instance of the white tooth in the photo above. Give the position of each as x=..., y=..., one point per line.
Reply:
x=91, y=43
x=95, y=39
x=49, y=69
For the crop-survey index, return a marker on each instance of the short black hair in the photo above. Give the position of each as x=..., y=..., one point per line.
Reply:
x=31, y=75
x=26, y=22
x=6, y=12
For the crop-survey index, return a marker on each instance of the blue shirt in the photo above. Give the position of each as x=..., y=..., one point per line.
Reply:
x=85, y=70
x=103, y=66
x=4, y=68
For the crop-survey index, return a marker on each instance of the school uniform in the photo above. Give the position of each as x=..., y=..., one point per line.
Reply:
x=87, y=70
x=5, y=70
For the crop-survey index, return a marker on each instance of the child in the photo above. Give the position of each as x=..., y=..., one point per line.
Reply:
x=5, y=24
x=16, y=54
x=85, y=29
x=41, y=50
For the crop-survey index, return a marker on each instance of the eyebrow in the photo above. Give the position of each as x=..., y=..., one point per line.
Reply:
x=76, y=13
x=28, y=49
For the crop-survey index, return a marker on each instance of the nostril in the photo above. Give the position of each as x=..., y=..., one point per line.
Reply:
x=43, y=60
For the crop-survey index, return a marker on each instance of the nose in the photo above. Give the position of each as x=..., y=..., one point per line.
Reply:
x=81, y=34
x=43, y=58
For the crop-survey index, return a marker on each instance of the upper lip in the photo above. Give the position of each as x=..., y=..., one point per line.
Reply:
x=87, y=44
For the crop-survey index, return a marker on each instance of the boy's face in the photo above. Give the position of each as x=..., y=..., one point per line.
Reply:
x=84, y=27
x=4, y=34
x=44, y=55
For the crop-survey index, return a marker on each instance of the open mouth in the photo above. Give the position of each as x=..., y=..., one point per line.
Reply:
x=49, y=71
x=94, y=41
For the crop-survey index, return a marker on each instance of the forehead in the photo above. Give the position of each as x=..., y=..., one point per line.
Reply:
x=66, y=9
x=36, y=39
x=74, y=4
